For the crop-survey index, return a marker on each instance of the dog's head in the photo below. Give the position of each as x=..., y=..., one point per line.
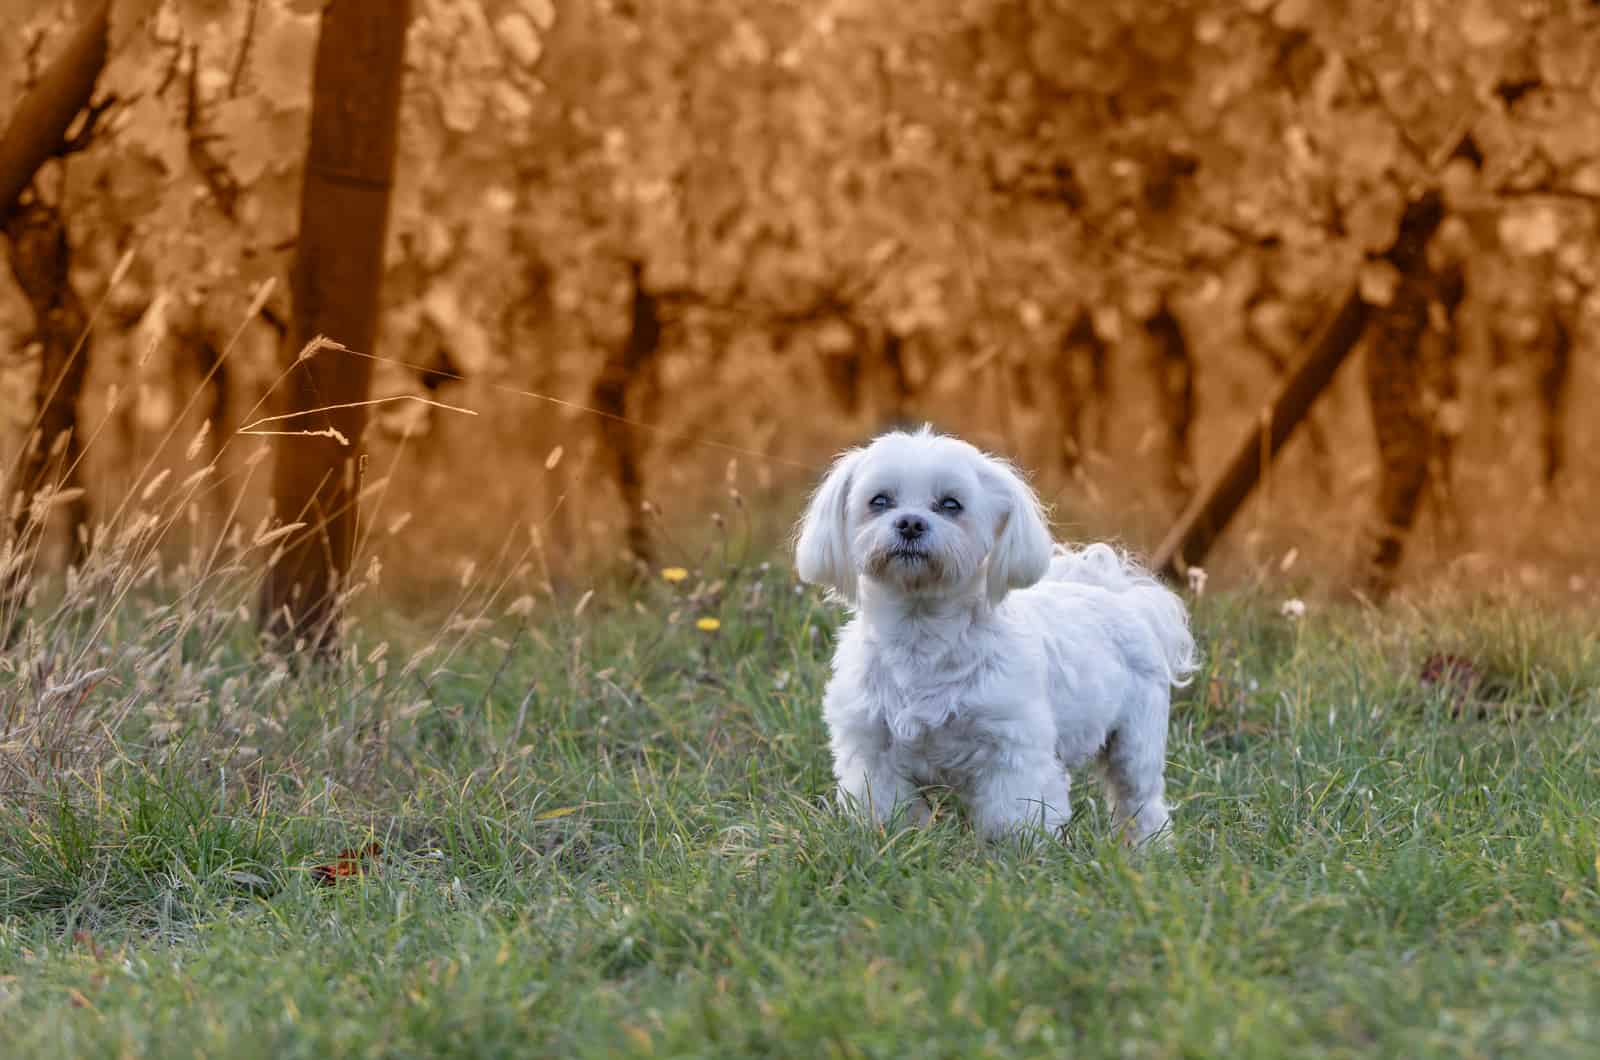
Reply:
x=923, y=514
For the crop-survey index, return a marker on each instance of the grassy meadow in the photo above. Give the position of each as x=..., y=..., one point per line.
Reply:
x=597, y=823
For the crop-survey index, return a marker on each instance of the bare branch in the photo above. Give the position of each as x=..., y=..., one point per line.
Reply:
x=84, y=137
x=169, y=76
x=1366, y=84
x=1546, y=191
x=242, y=60
x=218, y=178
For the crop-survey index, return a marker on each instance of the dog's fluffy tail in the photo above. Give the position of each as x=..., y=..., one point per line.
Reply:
x=1160, y=607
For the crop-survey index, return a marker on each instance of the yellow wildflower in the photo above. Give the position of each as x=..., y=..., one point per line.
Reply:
x=707, y=625
x=674, y=574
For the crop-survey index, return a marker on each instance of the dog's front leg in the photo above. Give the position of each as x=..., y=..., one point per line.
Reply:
x=1027, y=791
x=871, y=786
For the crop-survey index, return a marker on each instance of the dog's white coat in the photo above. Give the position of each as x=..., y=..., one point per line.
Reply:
x=983, y=656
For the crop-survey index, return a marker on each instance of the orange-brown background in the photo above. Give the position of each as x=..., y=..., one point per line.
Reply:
x=846, y=214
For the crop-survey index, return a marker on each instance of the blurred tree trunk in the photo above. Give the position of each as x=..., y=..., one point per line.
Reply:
x=1502, y=366
x=200, y=346
x=1174, y=371
x=623, y=370
x=335, y=280
x=41, y=260
x=901, y=388
x=1555, y=374
x=1081, y=378
x=1399, y=422
x=1442, y=398
x=841, y=369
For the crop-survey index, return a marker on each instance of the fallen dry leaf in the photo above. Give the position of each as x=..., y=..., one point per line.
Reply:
x=348, y=864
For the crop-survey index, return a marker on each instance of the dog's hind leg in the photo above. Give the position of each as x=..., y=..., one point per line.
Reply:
x=1134, y=767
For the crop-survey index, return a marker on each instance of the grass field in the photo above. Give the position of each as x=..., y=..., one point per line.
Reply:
x=605, y=830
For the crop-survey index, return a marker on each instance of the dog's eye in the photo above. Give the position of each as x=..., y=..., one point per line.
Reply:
x=881, y=501
x=950, y=506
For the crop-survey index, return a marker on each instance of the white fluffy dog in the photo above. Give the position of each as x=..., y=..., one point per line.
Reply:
x=981, y=655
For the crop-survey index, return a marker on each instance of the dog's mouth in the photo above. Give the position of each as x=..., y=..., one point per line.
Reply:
x=906, y=562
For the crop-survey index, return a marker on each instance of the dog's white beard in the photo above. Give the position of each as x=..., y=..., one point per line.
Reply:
x=921, y=570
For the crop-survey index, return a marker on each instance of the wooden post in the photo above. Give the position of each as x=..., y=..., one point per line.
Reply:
x=335, y=281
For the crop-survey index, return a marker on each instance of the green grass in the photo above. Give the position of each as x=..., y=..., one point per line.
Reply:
x=610, y=833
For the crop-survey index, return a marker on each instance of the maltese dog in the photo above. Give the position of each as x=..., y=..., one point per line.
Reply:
x=982, y=656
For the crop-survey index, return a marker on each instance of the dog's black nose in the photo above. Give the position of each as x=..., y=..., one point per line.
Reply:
x=911, y=527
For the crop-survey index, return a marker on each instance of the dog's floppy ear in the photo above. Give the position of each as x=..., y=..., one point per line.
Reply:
x=1022, y=542
x=822, y=548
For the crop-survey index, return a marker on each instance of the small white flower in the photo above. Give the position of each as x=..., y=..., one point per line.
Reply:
x=1293, y=609
x=1197, y=580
